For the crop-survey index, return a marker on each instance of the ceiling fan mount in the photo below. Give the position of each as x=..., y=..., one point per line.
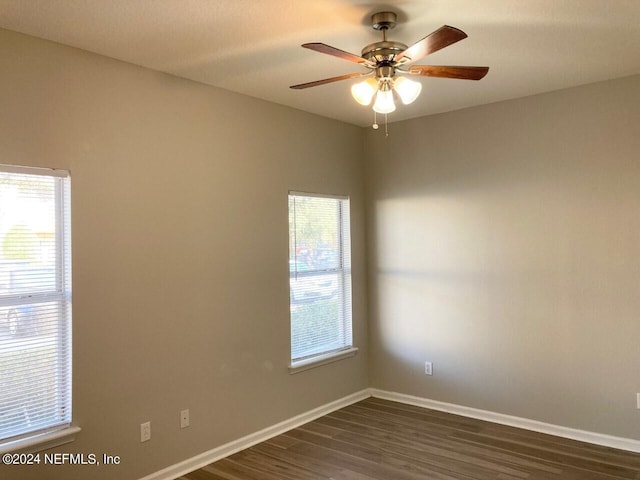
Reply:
x=384, y=20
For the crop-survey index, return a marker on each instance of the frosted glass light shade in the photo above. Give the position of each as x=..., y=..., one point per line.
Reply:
x=408, y=90
x=363, y=92
x=384, y=102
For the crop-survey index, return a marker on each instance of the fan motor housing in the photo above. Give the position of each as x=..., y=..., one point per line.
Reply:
x=380, y=52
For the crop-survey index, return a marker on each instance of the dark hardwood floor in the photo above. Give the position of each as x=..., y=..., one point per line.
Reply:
x=381, y=440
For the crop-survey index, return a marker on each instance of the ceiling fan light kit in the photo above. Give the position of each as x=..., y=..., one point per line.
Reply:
x=389, y=61
x=407, y=90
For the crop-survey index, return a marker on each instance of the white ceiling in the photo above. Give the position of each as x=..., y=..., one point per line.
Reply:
x=253, y=46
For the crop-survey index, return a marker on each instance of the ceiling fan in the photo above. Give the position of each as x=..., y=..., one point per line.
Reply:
x=389, y=63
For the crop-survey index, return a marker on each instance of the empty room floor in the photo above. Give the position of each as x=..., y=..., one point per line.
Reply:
x=382, y=440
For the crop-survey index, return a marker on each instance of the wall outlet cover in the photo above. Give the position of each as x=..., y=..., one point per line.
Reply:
x=428, y=368
x=184, y=418
x=145, y=432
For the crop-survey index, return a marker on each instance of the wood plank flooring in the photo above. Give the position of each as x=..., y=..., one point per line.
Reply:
x=381, y=440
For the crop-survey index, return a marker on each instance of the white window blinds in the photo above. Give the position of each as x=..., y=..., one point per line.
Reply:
x=35, y=302
x=319, y=275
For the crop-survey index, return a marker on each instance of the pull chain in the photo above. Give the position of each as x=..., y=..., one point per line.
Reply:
x=375, y=125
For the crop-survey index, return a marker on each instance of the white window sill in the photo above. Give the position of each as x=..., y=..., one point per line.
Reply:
x=40, y=442
x=320, y=360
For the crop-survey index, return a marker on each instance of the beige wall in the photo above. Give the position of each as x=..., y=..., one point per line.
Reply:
x=179, y=212
x=505, y=248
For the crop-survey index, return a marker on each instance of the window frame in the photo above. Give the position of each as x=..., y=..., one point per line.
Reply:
x=59, y=432
x=343, y=270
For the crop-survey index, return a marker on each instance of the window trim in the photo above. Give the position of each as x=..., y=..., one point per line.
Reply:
x=322, y=359
x=49, y=172
x=41, y=441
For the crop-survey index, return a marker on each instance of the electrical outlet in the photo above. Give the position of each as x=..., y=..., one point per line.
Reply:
x=145, y=431
x=184, y=418
x=428, y=368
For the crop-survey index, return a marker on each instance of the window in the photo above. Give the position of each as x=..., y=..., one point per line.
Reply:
x=319, y=279
x=35, y=305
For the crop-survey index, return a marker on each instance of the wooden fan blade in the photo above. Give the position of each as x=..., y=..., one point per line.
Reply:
x=464, y=73
x=336, y=52
x=443, y=37
x=329, y=80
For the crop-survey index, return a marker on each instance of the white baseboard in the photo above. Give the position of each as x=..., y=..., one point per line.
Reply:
x=191, y=464
x=628, y=444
